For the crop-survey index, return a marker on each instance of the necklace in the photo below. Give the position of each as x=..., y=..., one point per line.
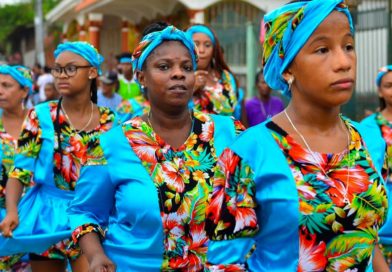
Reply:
x=346, y=186
x=88, y=122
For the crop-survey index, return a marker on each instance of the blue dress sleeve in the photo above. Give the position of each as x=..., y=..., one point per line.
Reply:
x=93, y=202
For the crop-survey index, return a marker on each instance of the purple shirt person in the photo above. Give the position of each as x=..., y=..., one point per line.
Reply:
x=264, y=106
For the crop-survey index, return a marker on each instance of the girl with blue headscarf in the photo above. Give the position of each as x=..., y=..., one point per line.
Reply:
x=381, y=123
x=302, y=191
x=57, y=138
x=216, y=89
x=151, y=192
x=15, y=85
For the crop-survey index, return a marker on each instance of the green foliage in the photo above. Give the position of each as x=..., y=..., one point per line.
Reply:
x=18, y=15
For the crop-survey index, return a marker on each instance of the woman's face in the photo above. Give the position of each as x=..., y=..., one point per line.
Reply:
x=168, y=76
x=205, y=48
x=11, y=93
x=77, y=82
x=385, y=89
x=262, y=87
x=325, y=69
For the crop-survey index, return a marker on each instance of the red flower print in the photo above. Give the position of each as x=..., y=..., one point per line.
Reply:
x=311, y=255
x=357, y=182
x=207, y=131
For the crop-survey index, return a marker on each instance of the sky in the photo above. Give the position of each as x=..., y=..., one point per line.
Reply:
x=4, y=2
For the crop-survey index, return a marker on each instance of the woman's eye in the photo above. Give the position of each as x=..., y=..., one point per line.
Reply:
x=322, y=50
x=207, y=45
x=163, y=66
x=188, y=68
x=349, y=47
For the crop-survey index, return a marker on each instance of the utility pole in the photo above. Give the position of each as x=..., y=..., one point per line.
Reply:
x=389, y=43
x=39, y=33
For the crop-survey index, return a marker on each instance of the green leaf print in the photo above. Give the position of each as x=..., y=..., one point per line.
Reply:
x=371, y=200
x=314, y=222
x=206, y=161
x=342, y=248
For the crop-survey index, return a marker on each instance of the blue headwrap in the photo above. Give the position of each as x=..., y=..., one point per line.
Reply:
x=287, y=30
x=201, y=29
x=154, y=39
x=21, y=74
x=83, y=49
x=126, y=60
x=381, y=72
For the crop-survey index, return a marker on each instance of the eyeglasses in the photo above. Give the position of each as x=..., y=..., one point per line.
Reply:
x=69, y=70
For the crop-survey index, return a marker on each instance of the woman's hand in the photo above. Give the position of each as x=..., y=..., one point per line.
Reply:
x=10, y=222
x=200, y=79
x=101, y=263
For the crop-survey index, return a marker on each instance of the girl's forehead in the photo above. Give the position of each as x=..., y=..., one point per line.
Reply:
x=170, y=48
x=70, y=57
x=201, y=37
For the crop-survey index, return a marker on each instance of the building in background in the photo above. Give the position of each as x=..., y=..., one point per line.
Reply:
x=114, y=26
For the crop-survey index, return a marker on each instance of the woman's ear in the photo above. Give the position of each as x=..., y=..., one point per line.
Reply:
x=287, y=75
x=93, y=73
x=141, y=78
x=379, y=92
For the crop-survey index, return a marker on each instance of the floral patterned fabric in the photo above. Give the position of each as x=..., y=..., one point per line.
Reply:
x=182, y=178
x=8, y=145
x=386, y=132
x=333, y=235
x=77, y=148
x=126, y=108
x=221, y=99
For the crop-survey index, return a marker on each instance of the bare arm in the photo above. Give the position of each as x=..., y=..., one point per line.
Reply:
x=92, y=249
x=379, y=263
x=11, y=220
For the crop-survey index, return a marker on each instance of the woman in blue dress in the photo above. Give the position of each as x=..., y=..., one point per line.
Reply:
x=57, y=138
x=302, y=191
x=15, y=84
x=381, y=123
x=150, y=194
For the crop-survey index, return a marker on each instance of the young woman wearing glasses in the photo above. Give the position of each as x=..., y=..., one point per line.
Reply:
x=56, y=140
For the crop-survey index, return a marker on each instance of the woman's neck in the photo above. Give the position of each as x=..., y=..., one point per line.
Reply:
x=387, y=112
x=319, y=119
x=15, y=113
x=164, y=120
x=80, y=104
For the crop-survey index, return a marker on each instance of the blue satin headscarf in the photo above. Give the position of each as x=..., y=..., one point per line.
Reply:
x=381, y=72
x=21, y=74
x=83, y=49
x=287, y=30
x=154, y=39
x=201, y=29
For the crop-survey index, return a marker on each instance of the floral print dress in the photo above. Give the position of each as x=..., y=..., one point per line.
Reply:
x=334, y=235
x=182, y=178
x=386, y=132
x=8, y=146
x=77, y=149
x=221, y=99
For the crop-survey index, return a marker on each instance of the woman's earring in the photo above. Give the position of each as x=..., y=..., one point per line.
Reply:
x=290, y=82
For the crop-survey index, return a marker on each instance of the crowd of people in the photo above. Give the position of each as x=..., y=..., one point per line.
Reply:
x=164, y=166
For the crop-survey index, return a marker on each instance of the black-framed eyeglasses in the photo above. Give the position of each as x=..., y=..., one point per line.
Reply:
x=70, y=70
